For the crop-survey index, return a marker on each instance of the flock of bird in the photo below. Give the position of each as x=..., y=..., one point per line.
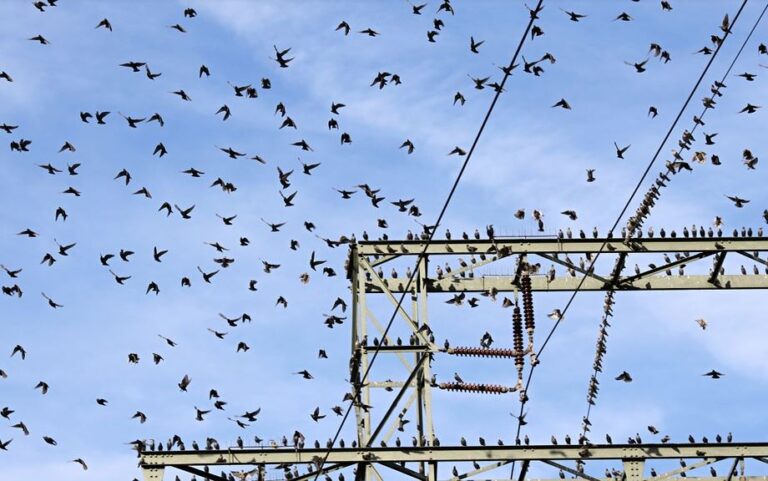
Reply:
x=116, y=262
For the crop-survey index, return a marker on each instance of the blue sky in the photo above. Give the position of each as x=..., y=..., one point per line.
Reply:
x=531, y=156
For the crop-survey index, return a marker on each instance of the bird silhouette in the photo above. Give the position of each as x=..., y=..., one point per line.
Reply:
x=474, y=45
x=621, y=150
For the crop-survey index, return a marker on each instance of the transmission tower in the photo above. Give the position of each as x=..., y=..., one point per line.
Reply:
x=422, y=458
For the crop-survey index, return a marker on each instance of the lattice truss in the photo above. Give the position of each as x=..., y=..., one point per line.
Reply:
x=458, y=271
x=462, y=270
x=654, y=462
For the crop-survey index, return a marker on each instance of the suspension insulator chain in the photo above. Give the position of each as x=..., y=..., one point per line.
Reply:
x=476, y=388
x=517, y=340
x=484, y=352
x=530, y=323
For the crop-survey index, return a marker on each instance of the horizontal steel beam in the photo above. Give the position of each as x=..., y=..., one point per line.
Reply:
x=396, y=348
x=560, y=284
x=602, y=478
x=150, y=459
x=532, y=245
x=389, y=384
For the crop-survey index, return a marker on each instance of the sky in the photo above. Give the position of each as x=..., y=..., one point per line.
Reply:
x=531, y=156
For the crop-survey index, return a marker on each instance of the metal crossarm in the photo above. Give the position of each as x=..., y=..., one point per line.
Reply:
x=639, y=456
x=686, y=251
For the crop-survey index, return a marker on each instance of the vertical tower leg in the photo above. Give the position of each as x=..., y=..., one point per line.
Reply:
x=633, y=469
x=426, y=378
x=359, y=336
x=153, y=473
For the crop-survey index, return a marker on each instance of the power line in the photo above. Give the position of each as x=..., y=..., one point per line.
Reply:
x=507, y=72
x=707, y=107
x=621, y=214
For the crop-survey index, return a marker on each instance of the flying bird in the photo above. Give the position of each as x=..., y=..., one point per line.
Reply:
x=737, y=201
x=51, y=302
x=639, y=66
x=280, y=57
x=41, y=39
x=344, y=26
x=749, y=108
x=620, y=150
x=184, y=383
x=573, y=16
x=416, y=9
x=316, y=416
x=458, y=150
x=473, y=45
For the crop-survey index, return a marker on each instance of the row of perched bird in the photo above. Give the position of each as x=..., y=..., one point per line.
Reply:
x=297, y=440
x=694, y=232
